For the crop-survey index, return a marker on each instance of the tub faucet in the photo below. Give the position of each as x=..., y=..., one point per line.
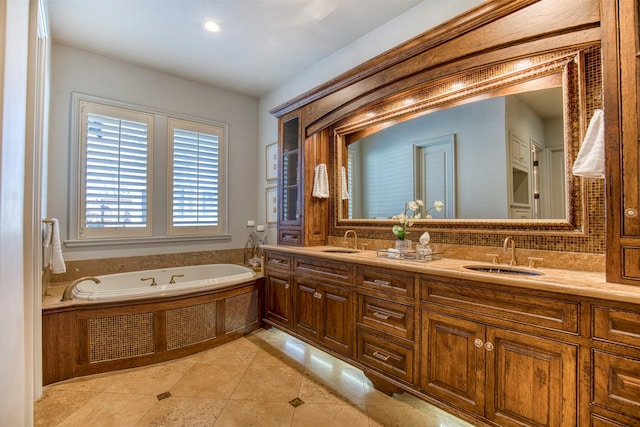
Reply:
x=153, y=280
x=68, y=291
x=507, y=241
x=355, y=238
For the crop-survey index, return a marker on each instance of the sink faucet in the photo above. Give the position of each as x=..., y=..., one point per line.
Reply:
x=355, y=238
x=513, y=250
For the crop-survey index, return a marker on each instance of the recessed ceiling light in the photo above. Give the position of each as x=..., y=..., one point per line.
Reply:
x=212, y=26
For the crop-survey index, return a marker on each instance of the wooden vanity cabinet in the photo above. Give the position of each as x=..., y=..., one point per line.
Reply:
x=386, y=322
x=499, y=354
x=323, y=303
x=278, y=303
x=621, y=78
x=615, y=354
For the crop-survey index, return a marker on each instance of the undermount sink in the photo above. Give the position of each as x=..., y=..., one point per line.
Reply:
x=340, y=251
x=502, y=269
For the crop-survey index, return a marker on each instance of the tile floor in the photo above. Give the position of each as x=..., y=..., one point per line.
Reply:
x=266, y=379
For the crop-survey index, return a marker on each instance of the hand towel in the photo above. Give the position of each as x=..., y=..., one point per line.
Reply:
x=345, y=188
x=57, y=262
x=320, y=182
x=590, y=160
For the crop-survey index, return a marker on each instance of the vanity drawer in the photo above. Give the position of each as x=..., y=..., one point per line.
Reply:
x=386, y=356
x=391, y=281
x=321, y=268
x=277, y=261
x=490, y=303
x=616, y=383
x=387, y=316
x=617, y=326
x=289, y=236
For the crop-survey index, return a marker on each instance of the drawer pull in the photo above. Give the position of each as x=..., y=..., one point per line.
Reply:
x=380, y=315
x=478, y=343
x=317, y=295
x=286, y=286
x=275, y=261
x=381, y=282
x=488, y=346
x=380, y=356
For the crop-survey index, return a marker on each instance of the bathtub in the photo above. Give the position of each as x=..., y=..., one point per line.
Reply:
x=129, y=286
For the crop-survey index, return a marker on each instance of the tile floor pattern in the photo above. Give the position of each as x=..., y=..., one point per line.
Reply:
x=266, y=379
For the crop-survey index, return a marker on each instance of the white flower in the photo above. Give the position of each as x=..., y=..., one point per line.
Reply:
x=438, y=205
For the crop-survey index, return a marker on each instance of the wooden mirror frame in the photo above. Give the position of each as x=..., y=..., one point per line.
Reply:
x=491, y=80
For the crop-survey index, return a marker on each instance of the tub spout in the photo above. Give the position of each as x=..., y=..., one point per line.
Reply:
x=68, y=292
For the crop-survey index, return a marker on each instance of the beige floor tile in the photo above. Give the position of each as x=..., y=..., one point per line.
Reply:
x=209, y=380
x=56, y=405
x=151, y=380
x=328, y=415
x=111, y=409
x=94, y=383
x=239, y=352
x=244, y=413
x=331, y=389
x=268, y=384
x=183, y=412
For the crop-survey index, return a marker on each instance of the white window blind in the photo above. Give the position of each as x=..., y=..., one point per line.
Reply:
x=115, y=188
x=196, y=171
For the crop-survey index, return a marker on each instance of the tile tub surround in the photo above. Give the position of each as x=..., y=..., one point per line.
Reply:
x=268, y=378
x=98, y=267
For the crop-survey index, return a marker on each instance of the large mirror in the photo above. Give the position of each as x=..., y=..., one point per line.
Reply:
x=500, y=151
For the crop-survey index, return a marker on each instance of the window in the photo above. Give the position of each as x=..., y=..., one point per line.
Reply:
x=115, y=194
x=196, y=171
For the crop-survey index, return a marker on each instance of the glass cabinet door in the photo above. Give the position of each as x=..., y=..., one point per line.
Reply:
x=290, y=178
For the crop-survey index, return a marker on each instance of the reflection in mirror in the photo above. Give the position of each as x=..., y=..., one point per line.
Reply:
x=496, y=158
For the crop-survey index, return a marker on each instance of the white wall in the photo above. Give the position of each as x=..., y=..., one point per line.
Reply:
x=415, y=21
x=92, y=74
x=15, y=390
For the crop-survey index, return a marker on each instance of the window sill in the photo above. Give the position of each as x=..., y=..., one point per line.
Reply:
x=146, y=240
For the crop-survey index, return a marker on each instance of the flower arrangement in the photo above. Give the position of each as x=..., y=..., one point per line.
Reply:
x=412, y=211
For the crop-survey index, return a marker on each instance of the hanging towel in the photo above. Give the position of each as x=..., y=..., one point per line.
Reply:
x=320, y=182
x=57, y=262
x=590, y=160
x=345, y=188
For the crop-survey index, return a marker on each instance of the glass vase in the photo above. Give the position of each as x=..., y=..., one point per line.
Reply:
x=403, y=245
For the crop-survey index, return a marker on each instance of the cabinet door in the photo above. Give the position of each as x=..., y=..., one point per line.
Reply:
x=530, y=381
x=452, y=360
x=278, y=298
x=307, y=309
x=336, y=305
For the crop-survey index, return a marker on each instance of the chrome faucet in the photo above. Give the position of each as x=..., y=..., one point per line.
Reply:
x=68, y=291
x=513, y=250
x=355, y=238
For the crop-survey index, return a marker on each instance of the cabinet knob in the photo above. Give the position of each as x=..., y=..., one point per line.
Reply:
x=317, y=295
x=478, y=342
x=631, y=212
x=286, y=286
x=488, y=346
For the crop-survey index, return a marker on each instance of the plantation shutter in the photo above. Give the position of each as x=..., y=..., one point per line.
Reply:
x=196, y=169
x=115, y=160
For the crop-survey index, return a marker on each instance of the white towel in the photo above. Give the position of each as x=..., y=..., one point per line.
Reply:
x=590, y=160
x=57, y=262
x=320, y=182
x=345, y=188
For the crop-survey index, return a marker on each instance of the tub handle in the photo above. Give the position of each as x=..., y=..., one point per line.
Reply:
x=153, y=280
x=173, y=276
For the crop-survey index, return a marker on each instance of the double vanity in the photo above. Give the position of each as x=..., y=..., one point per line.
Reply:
x=550, y=348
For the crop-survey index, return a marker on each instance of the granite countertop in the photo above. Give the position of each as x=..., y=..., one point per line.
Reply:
x=573, y=282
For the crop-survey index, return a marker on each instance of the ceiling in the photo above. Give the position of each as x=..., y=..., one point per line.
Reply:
x=263, y=42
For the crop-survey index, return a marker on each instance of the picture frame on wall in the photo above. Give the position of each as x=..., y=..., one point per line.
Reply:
x=271, y=198
x=272, y=161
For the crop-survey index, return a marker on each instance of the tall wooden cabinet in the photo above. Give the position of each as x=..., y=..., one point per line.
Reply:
x=302, y=218
x=621, y=52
